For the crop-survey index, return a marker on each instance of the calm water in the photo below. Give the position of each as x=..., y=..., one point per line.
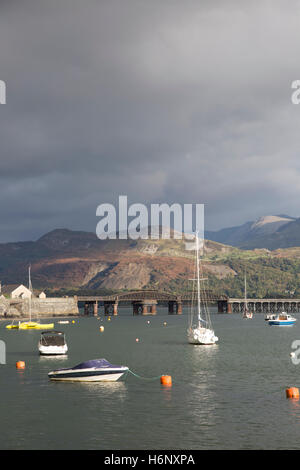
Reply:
x=230, y=396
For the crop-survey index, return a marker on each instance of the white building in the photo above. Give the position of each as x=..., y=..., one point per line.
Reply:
x=21, y=292
x=42, y=295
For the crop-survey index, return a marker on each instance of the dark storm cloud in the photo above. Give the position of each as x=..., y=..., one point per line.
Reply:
x=163, y=101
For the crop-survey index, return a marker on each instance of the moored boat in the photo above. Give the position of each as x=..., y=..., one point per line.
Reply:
x=246, y=313
x=52, y=343
x=13, y=326
x=200, y=329
x=33, y=325
x=95, y=370
x=283, y=319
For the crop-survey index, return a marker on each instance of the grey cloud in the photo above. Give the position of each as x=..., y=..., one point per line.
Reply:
x=163, y=101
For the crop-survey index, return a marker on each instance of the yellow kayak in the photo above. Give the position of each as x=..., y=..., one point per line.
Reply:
x=32, y=325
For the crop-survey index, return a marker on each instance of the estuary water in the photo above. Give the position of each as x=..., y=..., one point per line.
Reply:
x=227, y=396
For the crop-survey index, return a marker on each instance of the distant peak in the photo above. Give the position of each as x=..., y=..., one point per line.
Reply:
x=54, y=233
x=270, y=219
x=65, y=234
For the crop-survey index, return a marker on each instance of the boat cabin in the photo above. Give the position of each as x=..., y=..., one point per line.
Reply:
x=52, y=338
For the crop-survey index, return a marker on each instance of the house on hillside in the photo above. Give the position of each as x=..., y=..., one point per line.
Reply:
x=21, y=292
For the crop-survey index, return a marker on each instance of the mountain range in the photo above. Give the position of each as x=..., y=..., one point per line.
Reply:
x=271, y=232
x=66, y=262
x=75, y=259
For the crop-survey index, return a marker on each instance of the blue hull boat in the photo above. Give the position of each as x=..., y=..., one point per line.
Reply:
x=283, y=319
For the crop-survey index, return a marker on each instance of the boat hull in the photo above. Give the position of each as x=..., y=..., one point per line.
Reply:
x=88, y=375
x=53, y=350
x=202, y=336
x=281, y=323
x=35, y=326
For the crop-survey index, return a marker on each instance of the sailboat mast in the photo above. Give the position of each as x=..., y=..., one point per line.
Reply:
x=246, y=306
x=30, y=288
x=198, y=278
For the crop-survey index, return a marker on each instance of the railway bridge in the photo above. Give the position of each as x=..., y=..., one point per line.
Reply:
x=143, y=301
x=261, y=305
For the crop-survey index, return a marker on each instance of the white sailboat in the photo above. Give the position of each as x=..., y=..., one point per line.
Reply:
x=246, y=313
x=200, y=328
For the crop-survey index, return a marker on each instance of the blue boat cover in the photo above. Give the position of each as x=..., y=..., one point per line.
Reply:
x=95, y=363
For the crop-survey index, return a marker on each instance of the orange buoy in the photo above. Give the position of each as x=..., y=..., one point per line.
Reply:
x=20, y=365
x=137, y=340
x=292, y=392
x=101, y=328
x=166, y=380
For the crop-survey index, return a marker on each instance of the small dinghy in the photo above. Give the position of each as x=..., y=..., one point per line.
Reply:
x=95, y=370
x=52, y=343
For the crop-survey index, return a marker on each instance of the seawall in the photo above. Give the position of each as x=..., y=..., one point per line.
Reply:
x=49, y=307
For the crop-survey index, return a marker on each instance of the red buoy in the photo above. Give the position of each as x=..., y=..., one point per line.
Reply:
x=166, y=380
x=20, y=365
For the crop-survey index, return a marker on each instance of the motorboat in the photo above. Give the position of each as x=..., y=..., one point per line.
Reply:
x=95, y=370
x=52, y=343
x=282, y=319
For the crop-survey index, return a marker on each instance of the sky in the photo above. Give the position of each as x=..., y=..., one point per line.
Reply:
x=164, y=101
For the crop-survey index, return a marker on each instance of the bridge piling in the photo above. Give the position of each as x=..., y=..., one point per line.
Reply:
x=153, y=309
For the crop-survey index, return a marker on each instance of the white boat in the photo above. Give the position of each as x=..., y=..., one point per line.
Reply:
x=246, y=313
x=199, y=327
x=282, y=319
x=96, y=370
x=52, y=343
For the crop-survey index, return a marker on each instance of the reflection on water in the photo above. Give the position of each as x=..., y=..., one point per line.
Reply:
x=105, y=389
x=203, y=397
x=51, y=359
